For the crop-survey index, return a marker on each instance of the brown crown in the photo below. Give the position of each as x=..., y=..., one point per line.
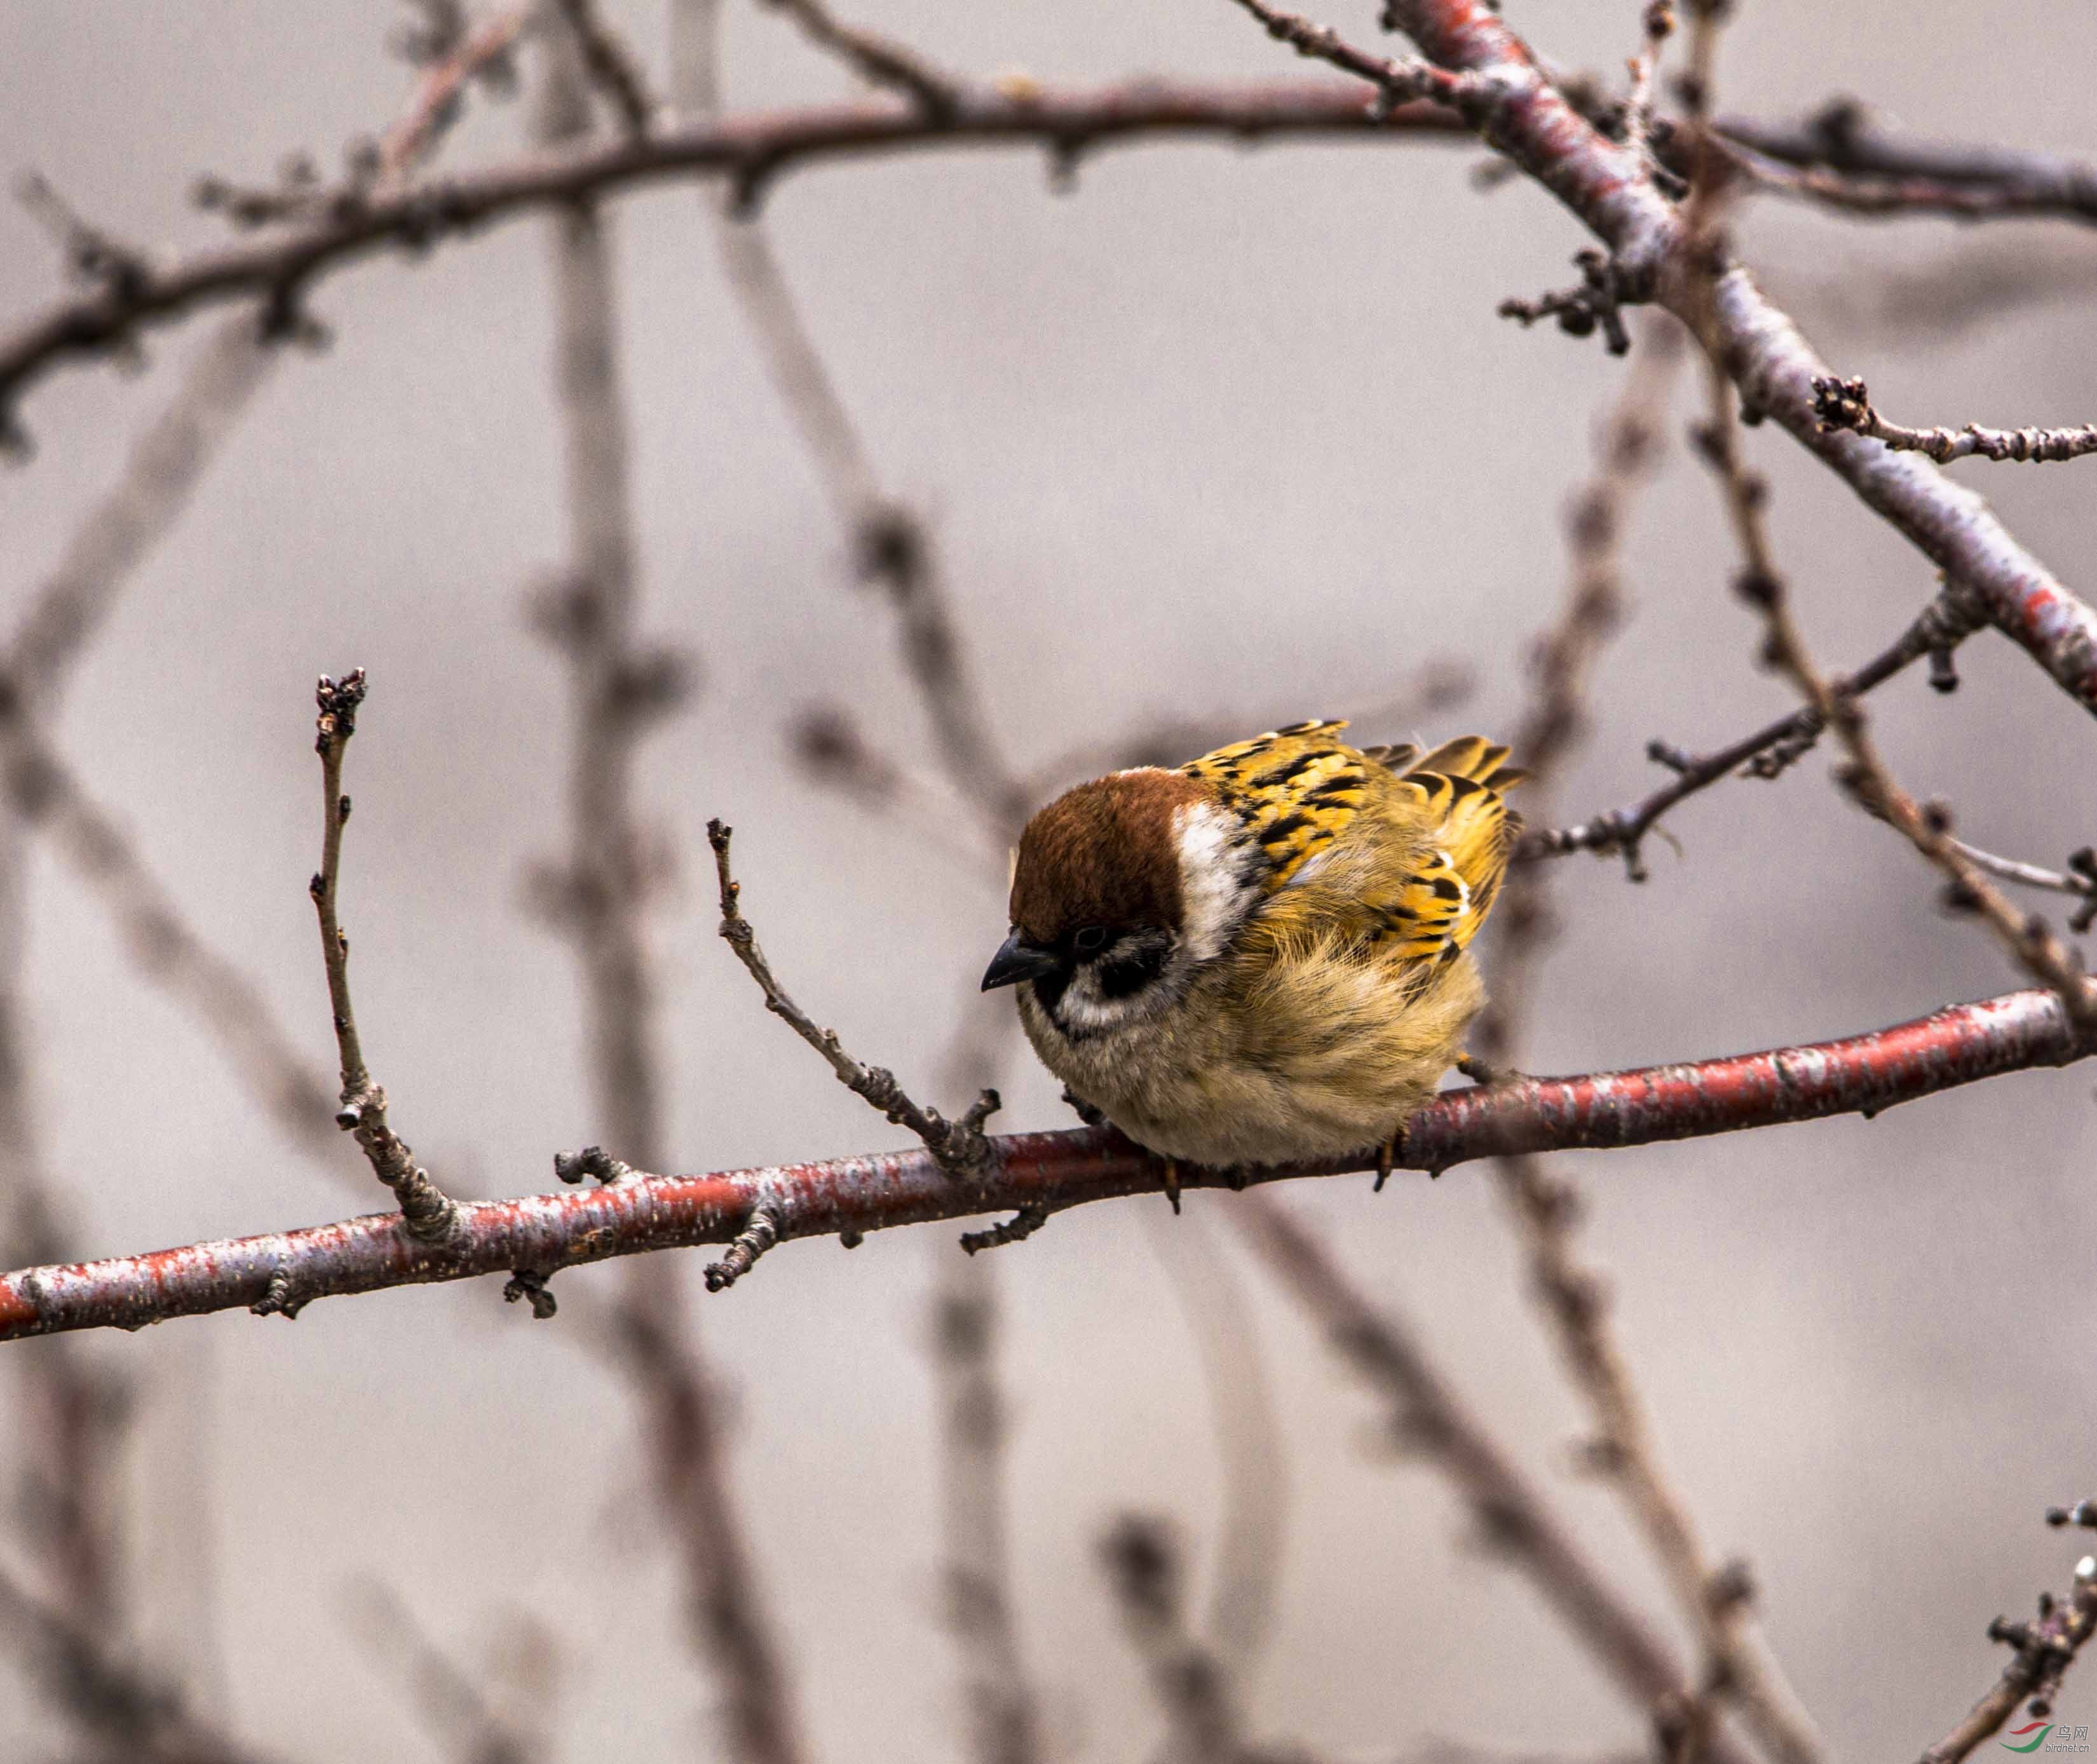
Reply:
x=1102, y=854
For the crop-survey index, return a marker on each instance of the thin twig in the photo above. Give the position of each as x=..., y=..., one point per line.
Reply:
x=621, y=686
x=959, y=1146
x=130, y=1714
x=1397, y=81
x=2080, y=879
x=1252, y=1528
x=449, y=1699
x=1658, y=25
x=612, y=65
x=1937, y=631
x=1861, y=1075
x=1865, y=776
x=1846, y=404
x=435, y=105
x=878, y=60
x=891, y=547
x=2045, y=1649
x=1653, y=253
x=1885, y=174
x=1427, y=1418
x=1545, y=1206
x=1203, y=1724
x=748, y=151
x=1004, y=1724
x=430, y=1216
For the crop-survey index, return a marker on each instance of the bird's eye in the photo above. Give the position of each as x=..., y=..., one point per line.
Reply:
x=1091, y=940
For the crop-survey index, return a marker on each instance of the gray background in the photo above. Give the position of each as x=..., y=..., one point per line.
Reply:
x=1173, y=430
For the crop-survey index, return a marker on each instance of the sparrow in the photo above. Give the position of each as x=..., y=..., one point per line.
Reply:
x=1263, y=954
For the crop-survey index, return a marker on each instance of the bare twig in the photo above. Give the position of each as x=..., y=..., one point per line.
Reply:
x=1846, y=404
x=876, y=59
x=452, y=1703
x=747, y=151
x=1866, y=777
x=891, y=547
x=1875, y=172
x=1512, y=1516
x=1252, y=1454
x=1203, y=1723
x=1596, y=1111
x=1658, y=25
x=612, y=65
x=958, y=1146
x=430, y=1216
x=1396, y=81
x=1004, y=1721
x=2045, y=1649
x=1545, y=1206
x=481, y=53
x=1654, y=253
x=126, y=1711
x=2080, y=879
x=1938, y=630
x=159, y=478
x=621, y=687
x=724, y=1604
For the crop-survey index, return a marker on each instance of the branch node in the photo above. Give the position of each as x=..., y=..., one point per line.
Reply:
x=1606, y=288
x=531, y=1284
x=572, y=1167
x=1017, y=1229
x=278, y=1300
x=758, y=1236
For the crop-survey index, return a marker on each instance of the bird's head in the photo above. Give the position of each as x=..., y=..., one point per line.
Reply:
x=1121, y=888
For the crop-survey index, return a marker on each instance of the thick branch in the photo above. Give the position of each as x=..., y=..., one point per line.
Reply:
x=1611, y=190
x=1597, y=1111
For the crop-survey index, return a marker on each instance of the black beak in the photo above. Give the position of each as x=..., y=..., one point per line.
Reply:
x=1017, y=960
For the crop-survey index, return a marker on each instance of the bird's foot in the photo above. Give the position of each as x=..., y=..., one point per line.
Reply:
x=1387, y=1158
x=1172, y=1184
x=1085, y=1112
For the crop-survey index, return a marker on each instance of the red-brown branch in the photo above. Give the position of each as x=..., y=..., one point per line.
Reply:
x=1860, y=1074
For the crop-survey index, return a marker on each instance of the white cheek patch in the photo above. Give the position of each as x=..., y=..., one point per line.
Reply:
x=1083, y=1010
x=1215, y=893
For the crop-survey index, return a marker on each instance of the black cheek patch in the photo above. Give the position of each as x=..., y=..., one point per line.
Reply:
x=1049, y=991
x=1122, y=975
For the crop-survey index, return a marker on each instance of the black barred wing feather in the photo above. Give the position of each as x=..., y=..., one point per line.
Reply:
x=1439, y=831
x=1297, y=789
x=1444, y=898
